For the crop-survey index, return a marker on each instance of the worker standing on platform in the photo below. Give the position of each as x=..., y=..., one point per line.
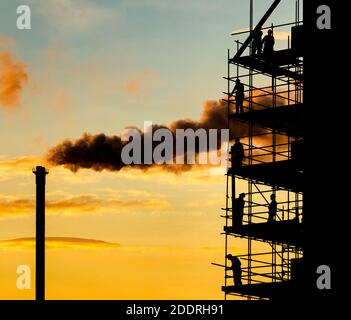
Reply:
x=237, y=153
x=272, y=210
x=239, y=96
x=268, y=42
x=238, y=211
x=257, y=42
x=236, y=268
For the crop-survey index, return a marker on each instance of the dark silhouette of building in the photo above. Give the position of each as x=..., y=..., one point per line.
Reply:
x=237, y=153
x=40, y=179
x=239, y=96
x=236, y=268
x=297, y=151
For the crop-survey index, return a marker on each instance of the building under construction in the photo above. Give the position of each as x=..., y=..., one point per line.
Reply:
x=270, y=249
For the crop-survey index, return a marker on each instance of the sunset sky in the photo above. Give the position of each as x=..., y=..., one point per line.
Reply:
x=97, y=67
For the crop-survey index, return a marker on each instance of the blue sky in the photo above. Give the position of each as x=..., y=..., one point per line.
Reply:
x=183, y=44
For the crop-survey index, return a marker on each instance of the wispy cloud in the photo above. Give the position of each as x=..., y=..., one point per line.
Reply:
x=278, y=35
x=10, y=168
x=213, y=201
x=28, y=243
x=142, y=82
x=12, y=206
x=13, y=78
x=74, y=15
x=196, y=176
x=21, y=163
x=59, y=243
x=182, y=5
x=6, y=42
x=92, y=203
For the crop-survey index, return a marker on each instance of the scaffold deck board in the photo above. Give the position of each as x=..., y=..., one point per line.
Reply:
x=269, y=290
x=283, y=232
x=283, y=119
x=272, y=67
x=284, y=174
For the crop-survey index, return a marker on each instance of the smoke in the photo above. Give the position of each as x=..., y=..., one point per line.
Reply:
x=100, y=152
x=12, y=80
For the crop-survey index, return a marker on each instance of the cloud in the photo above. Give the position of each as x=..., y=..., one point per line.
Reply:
x=94, y=244
x=182, y=5
x=12, y=80
x=205, y=203
x=282, y=35
x=23, y=163
x=6, y=42
x=12, y=206
x=127, y=193
x=18, y=167
x=198, y=176
x=59, y=70
x=74, y=15
x=58, y=243
x=91, y=203
x=142, y=82
x=278, y=35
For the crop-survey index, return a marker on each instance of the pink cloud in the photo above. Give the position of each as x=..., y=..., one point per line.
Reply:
x=142, y=82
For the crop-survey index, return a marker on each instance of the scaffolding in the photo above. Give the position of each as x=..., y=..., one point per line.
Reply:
x=272, y=135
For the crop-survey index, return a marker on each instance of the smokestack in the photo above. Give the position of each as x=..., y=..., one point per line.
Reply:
x=40, y=178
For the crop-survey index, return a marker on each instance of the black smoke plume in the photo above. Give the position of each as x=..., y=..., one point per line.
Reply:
x=100, y=152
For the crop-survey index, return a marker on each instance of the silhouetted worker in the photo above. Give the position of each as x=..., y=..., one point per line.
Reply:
x=272, y=209
x=237, y=153
x=268, y=42
x=238, y=211
x=239, y=96
x=236, y=268
x=257, y=42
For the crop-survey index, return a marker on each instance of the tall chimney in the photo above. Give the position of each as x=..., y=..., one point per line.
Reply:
x=40, y=173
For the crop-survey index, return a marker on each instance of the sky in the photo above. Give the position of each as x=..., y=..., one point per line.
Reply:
x=97, y=67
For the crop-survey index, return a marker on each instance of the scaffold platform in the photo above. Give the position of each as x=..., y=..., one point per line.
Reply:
x=267, y=290
x=284, y=119
x=272, y=66
x=280, y=174
x=282, y=232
